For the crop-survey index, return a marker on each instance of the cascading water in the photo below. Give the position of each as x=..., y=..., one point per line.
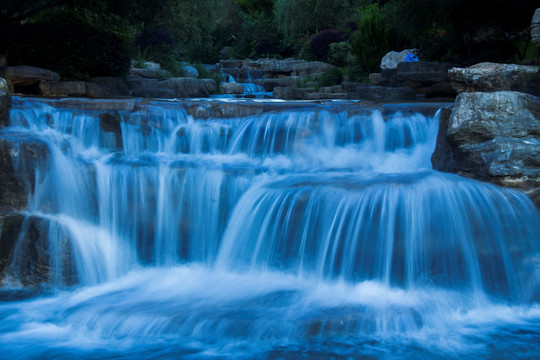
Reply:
x=313, y=231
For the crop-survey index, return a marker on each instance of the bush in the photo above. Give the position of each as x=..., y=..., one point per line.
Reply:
x=341, y=54
x=330, y=78
x=320, y=43
x=75, y=51
x=149, y=38
x=373, y=39
x=265, y=47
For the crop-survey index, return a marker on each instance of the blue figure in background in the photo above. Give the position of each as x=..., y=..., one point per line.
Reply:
x=411, y=57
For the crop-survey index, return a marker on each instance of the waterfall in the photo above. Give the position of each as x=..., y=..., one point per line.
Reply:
x=315, y=230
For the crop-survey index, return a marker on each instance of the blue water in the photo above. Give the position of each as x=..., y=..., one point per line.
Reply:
x=316, y=231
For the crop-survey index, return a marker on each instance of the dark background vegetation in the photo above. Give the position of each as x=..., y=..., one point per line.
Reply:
x=85, y=38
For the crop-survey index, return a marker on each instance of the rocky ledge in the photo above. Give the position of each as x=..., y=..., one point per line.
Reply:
x=494, y=137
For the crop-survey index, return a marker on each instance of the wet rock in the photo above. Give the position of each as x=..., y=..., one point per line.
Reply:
x=5, y=105
x=19, y=159
x=496, y=77
x=26, y=79
x=31, y=264
x=494, y=137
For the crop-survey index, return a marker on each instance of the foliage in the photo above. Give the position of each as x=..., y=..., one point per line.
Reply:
x=320, y=43
x=373, y=39
x=330, y=78
x=151, y=37
x=204, y=73
x=265, y=47
x=252, y=7
x=75, y=51
x=297, y=19
x=341, y=54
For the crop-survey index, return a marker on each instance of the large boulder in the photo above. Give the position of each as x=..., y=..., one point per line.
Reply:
x=393, y=58
x=535, y=28
x=26, y=79
x=496, y=77
x=492, y=136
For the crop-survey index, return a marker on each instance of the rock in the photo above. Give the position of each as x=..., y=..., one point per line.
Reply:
x=282, y=92
x=17, y=179
x=286, y=81
x=290, y=93
x=3, y=85
x=331, y=89
x=116, y=85
x=157, y=93
x=496, y=77
x=209, y=84
x=186, y=87
x=351, y=86
x=393, y=58
x=5, y=105
x=440, y=90
x=3, y=66
x=492, y=136
x=97, y=91
x=375, y=79
x=382, y=93
x=535, y=28
x=232, y=88
x=422, y=72
x=229, y=64
x=62, y=88
x=388, y=77
x=190, y=71
x=150, y=73
x=325, y=95
x=146, y=65
x=310, y=68
x=26, y=79
x=32, y=263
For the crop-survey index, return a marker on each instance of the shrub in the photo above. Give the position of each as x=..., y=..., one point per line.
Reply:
x=265, y=47
x=330, y=78
x=320, y=43
x=75, y=51
x=341, y=54
x=149, y=38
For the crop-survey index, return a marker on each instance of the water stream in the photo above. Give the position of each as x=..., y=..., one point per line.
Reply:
x=308, y=232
